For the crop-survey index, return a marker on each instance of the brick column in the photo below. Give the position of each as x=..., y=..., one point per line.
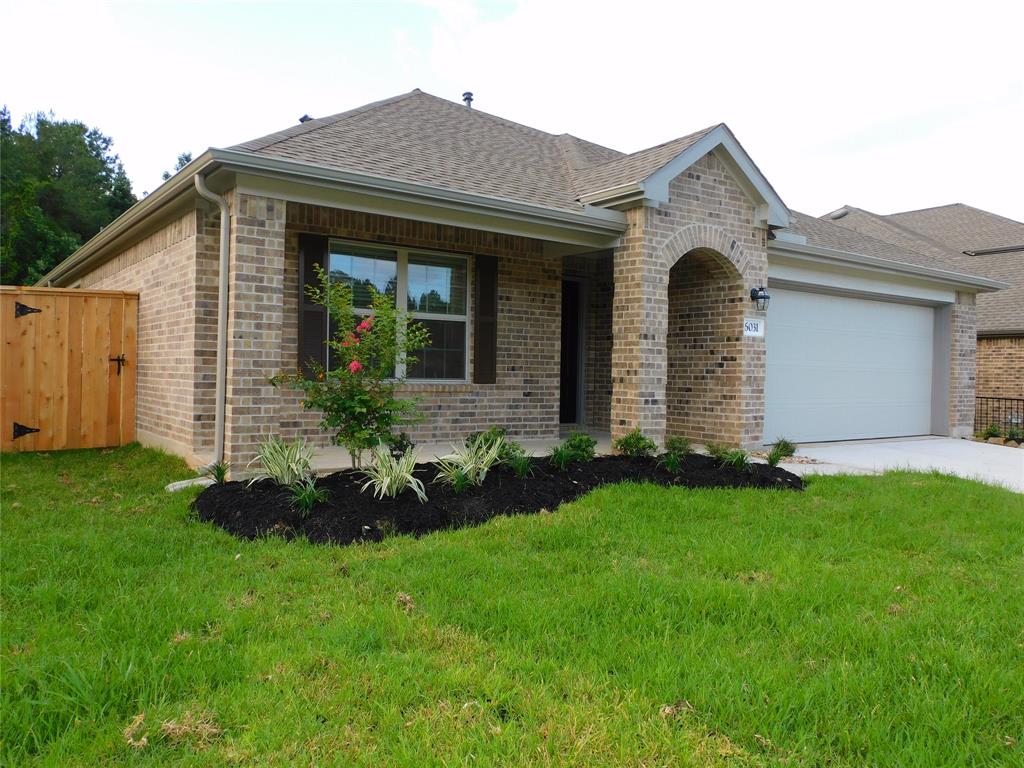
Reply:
x=963, y=344
x=639, y=326
x=255, y=323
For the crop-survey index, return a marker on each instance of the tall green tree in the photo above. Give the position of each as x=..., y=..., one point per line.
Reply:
x=183, y=159
x=60, y=183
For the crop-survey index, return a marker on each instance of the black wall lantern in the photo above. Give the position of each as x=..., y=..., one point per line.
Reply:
x=760, y=297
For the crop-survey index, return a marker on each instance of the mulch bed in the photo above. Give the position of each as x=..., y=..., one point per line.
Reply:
x=351, y=515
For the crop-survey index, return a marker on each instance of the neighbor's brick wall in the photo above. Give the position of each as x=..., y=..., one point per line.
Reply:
x=707, y=210
x=1000, y=367
x=962, y=365
x=161, y=268
x=525, y=397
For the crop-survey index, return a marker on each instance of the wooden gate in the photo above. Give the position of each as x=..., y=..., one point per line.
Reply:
x=68, y=368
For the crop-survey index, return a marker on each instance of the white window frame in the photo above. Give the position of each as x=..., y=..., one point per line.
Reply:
x=402, y=293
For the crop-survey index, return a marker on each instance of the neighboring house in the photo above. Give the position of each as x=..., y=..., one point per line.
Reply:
x=563, y=283
x=978, y=242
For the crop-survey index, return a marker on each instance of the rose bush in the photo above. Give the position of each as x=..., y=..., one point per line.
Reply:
x=356, y=392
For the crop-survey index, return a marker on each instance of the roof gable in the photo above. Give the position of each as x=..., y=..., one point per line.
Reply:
x=648, y=173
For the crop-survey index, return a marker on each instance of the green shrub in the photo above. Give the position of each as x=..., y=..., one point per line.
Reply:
x=635, y=444
x=305, y=495
x=521, y=465
x=991, y=431
x=561, y=456
x=680, y=446
x=673, y=462
x=1016, y=434
x=400, y=445
x=284, y=463
x=509, y=448
x=217, y=472
x=390, y=475
x=676, y=450
x=582, y=446
x=782, y=449
x=717, y=450
x=469, y=463
x=736, y=458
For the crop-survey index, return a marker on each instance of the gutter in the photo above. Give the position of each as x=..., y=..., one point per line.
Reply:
x=819, y=254
x=222, y=313
x=590, y=219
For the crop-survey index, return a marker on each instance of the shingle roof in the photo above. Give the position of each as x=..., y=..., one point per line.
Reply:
x=828, y=234
x=998, y=312
x=422, y=138
x=963, y=227
x=635, y=167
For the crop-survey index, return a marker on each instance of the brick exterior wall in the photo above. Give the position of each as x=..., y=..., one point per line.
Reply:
x=705, y=307
x=710, y=213
x=962, y=365
x=1000, y=367
x=161, y=268
x=255, y=323
x=524, y=398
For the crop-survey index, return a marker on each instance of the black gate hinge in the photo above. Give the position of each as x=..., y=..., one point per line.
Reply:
x=20, y=310
x=121, y=361
x=20, y=430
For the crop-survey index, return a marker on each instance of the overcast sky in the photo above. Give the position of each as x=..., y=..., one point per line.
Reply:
x=887, y=106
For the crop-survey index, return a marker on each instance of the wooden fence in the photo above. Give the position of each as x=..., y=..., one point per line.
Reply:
x=68, y=368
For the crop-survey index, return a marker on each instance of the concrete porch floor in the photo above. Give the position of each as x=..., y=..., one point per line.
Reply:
x=335, y=458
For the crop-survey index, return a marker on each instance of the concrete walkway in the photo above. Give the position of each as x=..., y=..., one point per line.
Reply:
x=995, y=464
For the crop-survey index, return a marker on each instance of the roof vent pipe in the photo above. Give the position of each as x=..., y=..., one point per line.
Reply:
x=305, y=119
x=468, y=98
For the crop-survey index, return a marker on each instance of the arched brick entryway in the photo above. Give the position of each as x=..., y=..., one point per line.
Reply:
x=704, y=348
x=681, y=364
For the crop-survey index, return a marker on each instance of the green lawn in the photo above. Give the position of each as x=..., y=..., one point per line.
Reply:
x=867, y=621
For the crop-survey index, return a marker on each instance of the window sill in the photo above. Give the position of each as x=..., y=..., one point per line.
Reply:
x=441, y=385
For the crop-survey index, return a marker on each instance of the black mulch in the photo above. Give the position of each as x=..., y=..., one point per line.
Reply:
x=351, y=515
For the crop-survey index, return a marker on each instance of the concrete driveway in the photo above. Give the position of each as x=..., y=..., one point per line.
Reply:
x=995, y=464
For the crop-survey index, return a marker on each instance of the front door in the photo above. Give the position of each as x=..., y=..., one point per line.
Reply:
x=570, y=407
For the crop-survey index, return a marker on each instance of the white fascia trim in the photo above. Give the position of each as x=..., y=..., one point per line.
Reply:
x=592, y=220
x=720, y=140
x=814, y=253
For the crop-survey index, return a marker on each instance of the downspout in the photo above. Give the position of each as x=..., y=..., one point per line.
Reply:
x=222, y=314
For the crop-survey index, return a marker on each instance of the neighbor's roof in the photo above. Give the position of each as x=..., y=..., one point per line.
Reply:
x=422, y=138
x=963, y=227
x=939, y=246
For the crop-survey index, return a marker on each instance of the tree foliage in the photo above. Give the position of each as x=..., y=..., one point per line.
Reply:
x=183, y=159
x=60, y=183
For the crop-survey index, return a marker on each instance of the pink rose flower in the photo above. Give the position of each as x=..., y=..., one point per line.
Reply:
x=355, y=366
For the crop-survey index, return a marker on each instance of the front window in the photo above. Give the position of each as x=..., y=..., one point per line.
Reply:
x=435, y=289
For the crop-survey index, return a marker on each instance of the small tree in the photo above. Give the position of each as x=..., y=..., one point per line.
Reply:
x=356, y=393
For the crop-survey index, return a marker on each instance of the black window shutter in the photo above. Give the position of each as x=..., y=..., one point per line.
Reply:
x=312, y=317
x=485, y=321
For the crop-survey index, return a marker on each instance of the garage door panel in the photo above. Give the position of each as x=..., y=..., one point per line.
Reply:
x=846, y=368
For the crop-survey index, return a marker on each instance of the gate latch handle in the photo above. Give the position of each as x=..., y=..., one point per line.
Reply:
x=121, y=362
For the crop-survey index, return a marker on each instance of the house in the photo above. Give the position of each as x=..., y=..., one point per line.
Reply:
x=564, y=283
x=978, y=242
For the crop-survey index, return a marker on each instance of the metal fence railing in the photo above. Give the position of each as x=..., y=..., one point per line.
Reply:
x=1002, y=412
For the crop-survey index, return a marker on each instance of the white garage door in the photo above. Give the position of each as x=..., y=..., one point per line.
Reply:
x=842, y=368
